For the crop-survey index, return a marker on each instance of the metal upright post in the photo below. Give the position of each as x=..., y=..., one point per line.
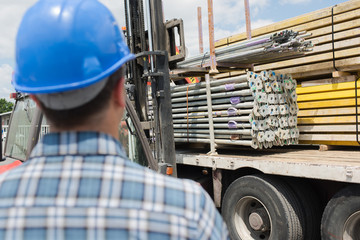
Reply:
x=158, y=26
x=210, y=116
x=201, y=43
x=212, y=38
x=248, y=20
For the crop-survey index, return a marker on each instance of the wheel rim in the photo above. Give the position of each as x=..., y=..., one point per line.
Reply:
x=352, y=227
x=252, y=219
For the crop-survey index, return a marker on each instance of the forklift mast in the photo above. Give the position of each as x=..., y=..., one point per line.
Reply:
x=153, y=49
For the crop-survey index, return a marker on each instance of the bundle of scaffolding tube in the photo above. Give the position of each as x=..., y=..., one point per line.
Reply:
x=283, y=45
x=257, y=110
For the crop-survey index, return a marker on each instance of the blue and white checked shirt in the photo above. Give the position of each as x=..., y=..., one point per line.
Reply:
x=82, y=186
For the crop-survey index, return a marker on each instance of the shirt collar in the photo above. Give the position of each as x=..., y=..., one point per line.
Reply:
x=77, y=143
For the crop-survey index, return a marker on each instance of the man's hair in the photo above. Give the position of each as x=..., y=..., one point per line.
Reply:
x=80, y=115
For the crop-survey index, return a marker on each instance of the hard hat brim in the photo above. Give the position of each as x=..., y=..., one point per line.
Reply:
x=67, y=87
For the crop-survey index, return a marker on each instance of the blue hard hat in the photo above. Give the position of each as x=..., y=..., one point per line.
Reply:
x=64, y=45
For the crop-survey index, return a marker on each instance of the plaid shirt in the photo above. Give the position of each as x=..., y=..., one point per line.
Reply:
x=82, y=186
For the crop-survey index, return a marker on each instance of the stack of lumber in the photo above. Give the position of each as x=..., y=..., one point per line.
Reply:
x=334, y=31
x=328, y=112
x=257, y=110
x=326, y=97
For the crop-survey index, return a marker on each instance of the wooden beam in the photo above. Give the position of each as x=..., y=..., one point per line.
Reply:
x=340, y=74
x=328, y=103
x=328, y=95
x=290, y=23
x=336, y=143
x=339, y=45
x=338, y=36
x=327, y=128
x=328, y=88
x=328, y=137
x=328, y=120
x=352, y=52
x=313, y=83
x=328, y=112
x=347, y=64
x=337, y=28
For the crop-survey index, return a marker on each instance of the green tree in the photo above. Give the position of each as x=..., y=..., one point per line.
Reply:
x=5, y=106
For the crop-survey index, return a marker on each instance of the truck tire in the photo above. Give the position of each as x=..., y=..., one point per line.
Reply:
x=311, y=207
x=262, y=207
x=341, y=218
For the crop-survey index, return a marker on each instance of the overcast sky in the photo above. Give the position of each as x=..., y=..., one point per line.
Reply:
x=228, y=17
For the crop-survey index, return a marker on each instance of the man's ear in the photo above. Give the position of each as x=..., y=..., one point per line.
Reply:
x=33, y=97
x=119, y=93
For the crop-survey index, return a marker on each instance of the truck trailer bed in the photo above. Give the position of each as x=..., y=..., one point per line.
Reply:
x=340, y=165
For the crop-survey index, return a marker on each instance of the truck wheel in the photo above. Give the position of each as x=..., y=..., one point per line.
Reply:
x=311, y=207
x=262, y=207
x=341, y=218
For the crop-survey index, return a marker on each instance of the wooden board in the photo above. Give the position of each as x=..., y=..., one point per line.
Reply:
x=328, y=103
x=328, y=95
x=337, y=28
x=328, y=112
x=327, y=128
x=328, y=88
x=319, y=82
x=290, y=23
x=311, y=59
x=336, y=143
x=328, y=137
x=327, y=47
x=328, y=120
x=347, y=64
x=341, y=35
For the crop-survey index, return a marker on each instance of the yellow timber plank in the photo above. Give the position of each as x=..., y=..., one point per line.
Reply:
x=319, y=82
x=309, y=17
x=328, y=95
x=311, y=59
x=328, y=128
x=328, y=120
x=328, y=88
x=326, y=103
x=328, y=112
x=328, y=137
x=337, y=143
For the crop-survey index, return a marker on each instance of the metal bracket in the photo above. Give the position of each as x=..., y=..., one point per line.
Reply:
x=176, y=52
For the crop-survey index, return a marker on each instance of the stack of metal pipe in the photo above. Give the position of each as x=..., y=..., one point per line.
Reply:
x=257, y=110
x=277, y=46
